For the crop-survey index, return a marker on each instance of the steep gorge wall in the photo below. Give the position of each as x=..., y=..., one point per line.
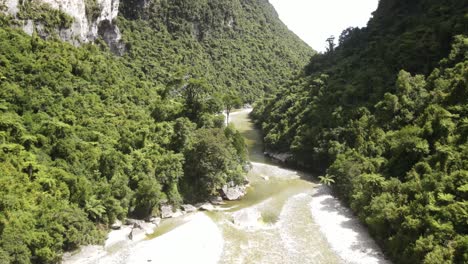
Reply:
x=91, y=19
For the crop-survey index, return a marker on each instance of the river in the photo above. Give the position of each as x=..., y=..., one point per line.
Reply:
x=286, y=217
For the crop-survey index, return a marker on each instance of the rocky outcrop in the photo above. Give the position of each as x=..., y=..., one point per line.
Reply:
x=217, y=200
x=188, y=208
x=207, y=207
x=133, y=222
x=281, y=157
x=155, y=220
x=116, y=225
x=232, y=192
x=166, y=211
x=91, y=19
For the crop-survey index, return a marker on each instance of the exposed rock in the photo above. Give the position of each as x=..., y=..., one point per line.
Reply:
x=178, y=213
x=207, y=207
x=116, y=225
x=28, y=27
x=133, y=222
x=140, y=232
x=12, y=6
x=85, y=27
x=148, y=228
x=188, y=208
x=217, y=200
x=232, y=193
x=155, y=220
x=281, y=157
x=166, y=211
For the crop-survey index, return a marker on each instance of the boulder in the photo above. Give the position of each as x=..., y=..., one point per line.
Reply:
x=178, y=213
x=116, y=225
x=217, y=200
x=148, y=228
x=188, y=208
x=232, y=193
x=207, y=207
x=166, y=211
x=155, y=220
x=133, y=222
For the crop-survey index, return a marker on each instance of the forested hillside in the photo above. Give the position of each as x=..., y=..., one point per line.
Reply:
x=87, y=137
x=383, y=117
x=236, y=45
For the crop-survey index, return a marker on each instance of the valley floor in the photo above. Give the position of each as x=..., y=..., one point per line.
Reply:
x=285, y=218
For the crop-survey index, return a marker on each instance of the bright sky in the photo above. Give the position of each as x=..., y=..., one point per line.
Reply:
x=314, y=21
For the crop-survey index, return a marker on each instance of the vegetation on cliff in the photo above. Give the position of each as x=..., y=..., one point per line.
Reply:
x=235, y=45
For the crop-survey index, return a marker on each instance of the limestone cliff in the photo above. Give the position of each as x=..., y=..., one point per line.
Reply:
x=90, y=19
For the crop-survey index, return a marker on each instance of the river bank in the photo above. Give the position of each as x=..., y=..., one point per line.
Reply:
x=198, y=240
x=285, y=217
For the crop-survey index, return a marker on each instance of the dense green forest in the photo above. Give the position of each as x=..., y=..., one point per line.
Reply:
x=87, y=137
x=235, y=45
x=383, y=117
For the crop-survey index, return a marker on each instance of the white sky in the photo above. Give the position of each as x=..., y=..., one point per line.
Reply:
x=316, y=20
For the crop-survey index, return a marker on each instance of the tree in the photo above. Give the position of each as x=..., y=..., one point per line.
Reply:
x=326, y=180
x=210, y=163
x=147, y=196
x=231, y=100
x=331, y=44
x=195, y=93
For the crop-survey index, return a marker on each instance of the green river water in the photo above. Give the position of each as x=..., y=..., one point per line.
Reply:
x=273, y=222
x=285, y=218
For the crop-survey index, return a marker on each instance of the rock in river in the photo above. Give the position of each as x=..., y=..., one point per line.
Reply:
x=116, y=225
x=188, y=208
x=217, y=200
x=207, y=207
x=232, y=193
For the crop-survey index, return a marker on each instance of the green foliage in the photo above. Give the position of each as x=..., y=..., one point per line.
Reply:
x=327, y=180
x=211, y=162
x=93, y=10
x=86, y=138
x=43, y=13
x=384, y=116
x=235, y=46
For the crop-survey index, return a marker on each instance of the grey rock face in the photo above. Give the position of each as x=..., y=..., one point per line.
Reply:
x=85, y=27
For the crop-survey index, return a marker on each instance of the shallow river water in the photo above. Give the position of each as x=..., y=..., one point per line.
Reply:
x=275, y=221
x=286, y=217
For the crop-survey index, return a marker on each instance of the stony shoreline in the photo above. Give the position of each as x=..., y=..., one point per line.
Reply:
x=205, y=245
